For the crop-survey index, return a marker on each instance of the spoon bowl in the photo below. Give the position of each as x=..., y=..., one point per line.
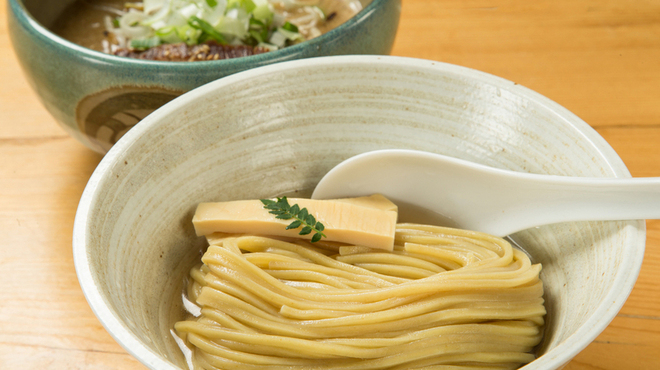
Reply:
x=482, y=198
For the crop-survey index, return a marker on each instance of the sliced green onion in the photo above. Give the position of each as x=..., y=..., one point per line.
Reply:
x=150, y=5
x=205, y=27
x=237, y=27
x=204, y=37
x=165, y=31
x=270, y=47
x=278, y=39
x=290, y=35
x=189, y=11
x=248, y=5
x=255, y=23
x=248, y=22
x=168, y=35
x=145, y=43
x=263, y=13
x=159, y=16
x=188, y=34
x=290, y=27
x=257, y=37
x=259, y=28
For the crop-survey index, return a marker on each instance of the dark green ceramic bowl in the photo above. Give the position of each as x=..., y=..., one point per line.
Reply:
x=97, y=97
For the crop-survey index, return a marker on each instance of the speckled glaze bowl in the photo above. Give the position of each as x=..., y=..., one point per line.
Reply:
x=133, y=240
x=97, y=97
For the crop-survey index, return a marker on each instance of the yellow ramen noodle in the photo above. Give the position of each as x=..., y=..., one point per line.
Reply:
x=443, y=299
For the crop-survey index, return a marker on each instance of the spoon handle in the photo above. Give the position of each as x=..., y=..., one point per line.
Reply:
x=543, y=199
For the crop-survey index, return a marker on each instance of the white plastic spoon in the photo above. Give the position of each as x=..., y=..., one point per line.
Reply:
x=487, y=199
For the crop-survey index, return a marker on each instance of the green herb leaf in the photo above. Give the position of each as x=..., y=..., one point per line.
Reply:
x=295, y=209
x=294, y=225
x=283, y=211
x=212, y=3
x=267, y=202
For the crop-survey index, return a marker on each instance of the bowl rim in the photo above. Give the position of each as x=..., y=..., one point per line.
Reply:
x=41, y=32
x=555, y=358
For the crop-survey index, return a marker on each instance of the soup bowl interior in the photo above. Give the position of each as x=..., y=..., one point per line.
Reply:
x=278, y=129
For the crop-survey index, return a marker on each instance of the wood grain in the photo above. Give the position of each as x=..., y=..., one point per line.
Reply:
x=600, y=59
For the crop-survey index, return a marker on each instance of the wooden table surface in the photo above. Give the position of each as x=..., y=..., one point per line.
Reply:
x=598, y=58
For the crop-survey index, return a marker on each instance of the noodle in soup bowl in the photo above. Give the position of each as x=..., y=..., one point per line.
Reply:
x=133, y=238
x=98, y=97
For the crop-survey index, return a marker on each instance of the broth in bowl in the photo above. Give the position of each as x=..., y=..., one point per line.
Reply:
x=197, y=30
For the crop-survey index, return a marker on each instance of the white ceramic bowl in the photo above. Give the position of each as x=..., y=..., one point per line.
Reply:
x=280, y=128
